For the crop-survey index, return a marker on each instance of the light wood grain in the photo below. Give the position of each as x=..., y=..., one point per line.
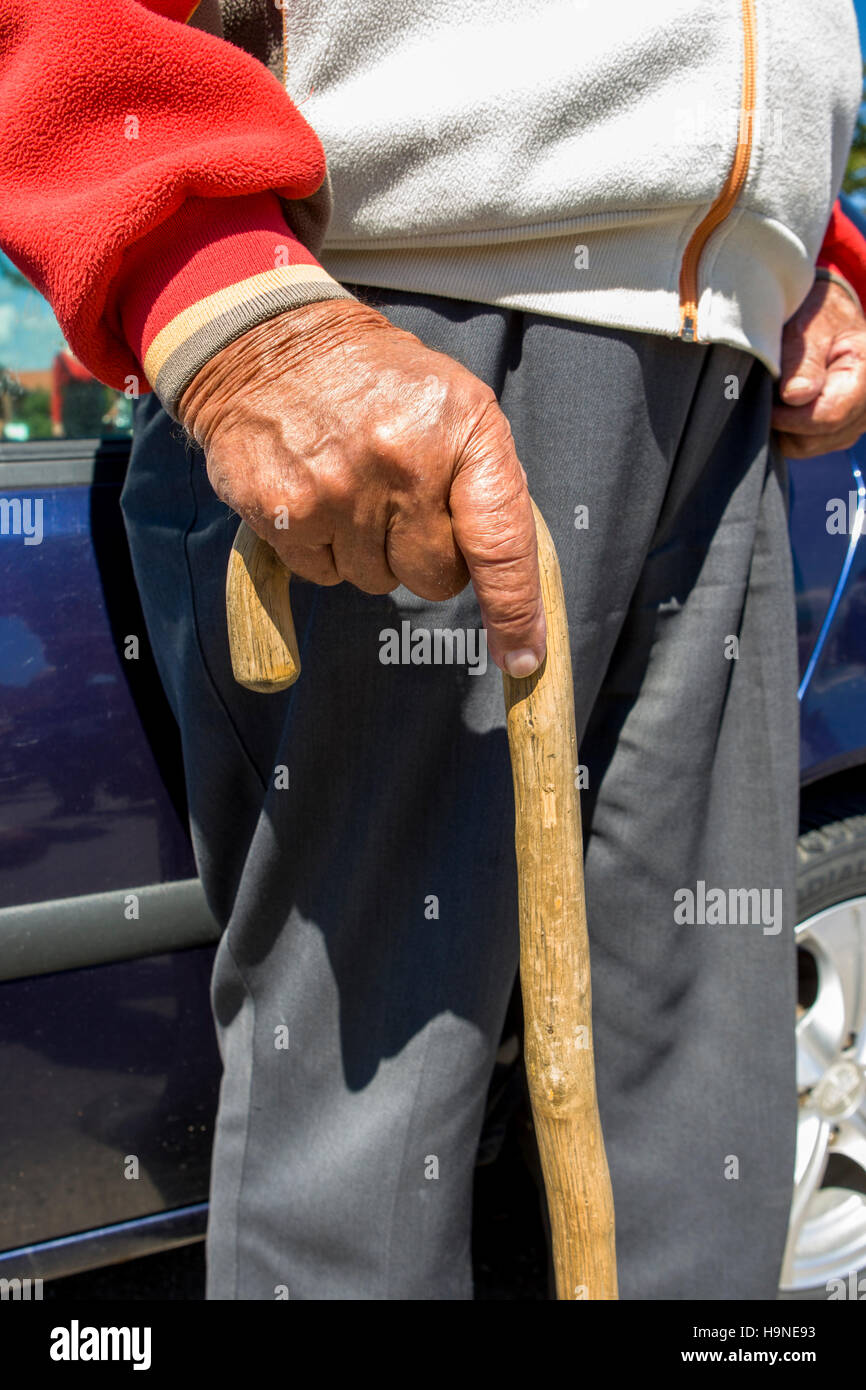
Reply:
x=554, y=957
x=262, y=641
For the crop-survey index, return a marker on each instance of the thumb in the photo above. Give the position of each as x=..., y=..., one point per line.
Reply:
x=804, y=362
x=491, y=516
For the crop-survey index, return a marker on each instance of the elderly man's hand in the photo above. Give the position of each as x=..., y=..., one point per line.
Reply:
x=822, y=390
x=393, y=464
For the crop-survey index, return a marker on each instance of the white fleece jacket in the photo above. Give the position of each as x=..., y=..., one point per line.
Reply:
x=557, y=156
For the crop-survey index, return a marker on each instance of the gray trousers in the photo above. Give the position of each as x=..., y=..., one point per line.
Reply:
x=354, y=834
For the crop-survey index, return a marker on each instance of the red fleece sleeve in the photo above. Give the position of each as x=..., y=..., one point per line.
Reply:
x=140, y=161
x=844, y=251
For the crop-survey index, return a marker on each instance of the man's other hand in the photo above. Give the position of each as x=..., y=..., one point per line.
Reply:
x=391, y=463
x=822, y=391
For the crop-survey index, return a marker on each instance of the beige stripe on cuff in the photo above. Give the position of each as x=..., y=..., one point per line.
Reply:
x=185, y=344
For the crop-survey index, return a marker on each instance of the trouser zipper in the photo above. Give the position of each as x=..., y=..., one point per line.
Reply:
x=733, y=184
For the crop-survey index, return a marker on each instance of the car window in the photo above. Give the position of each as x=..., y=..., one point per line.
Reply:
x=45, y=392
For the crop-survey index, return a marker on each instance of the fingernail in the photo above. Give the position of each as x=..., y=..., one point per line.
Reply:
x=799, y=383
x=521, y=664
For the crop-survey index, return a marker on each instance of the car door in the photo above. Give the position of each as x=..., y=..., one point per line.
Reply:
x=110, y=1065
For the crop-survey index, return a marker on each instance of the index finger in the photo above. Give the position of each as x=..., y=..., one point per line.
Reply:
x=491, y=516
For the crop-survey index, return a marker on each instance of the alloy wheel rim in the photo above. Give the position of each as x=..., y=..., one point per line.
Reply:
x=827, y=1230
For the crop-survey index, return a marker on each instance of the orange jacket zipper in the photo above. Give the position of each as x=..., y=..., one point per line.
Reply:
x=732, y=186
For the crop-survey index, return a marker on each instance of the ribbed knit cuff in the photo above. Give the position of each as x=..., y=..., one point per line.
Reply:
x=210, y=272
x=822, y=273
x=844, y=252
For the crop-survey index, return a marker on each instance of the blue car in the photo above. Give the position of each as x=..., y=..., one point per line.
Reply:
x=111, y=1072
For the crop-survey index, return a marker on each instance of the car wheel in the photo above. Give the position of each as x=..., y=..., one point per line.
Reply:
x=826, y=1248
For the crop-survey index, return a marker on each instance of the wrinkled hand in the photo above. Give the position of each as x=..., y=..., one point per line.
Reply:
x=393, y=464
x=822, y=390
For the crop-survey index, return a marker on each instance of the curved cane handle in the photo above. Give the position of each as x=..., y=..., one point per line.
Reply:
x=262, y=641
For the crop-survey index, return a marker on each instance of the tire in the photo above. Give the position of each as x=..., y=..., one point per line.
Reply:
x=826, y=1255
x=831, y=864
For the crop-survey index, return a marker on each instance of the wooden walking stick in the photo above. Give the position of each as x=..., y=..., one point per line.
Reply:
x=554, y=945
x=554, y=956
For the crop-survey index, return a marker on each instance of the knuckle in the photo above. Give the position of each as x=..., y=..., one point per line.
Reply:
x=491, y=421
x=484, y=398
x=472, y=406
x=302, y=504
x=382, y=436
x=340, y=491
